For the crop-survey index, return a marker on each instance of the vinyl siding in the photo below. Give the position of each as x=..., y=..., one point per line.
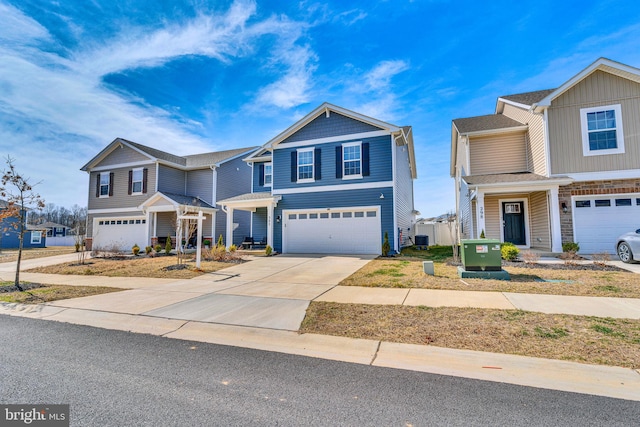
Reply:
x=259, y=224
x=334, y=125
x=380, y=164
x=540, y=227
x=404, y=194
x=565, y=135
x=498, y=154
x=166, y=224
x=171, y=180
x=464, y=213
x=233, y=178
x=120, y=198
x=257, y=188
x=492, y=219
x=123, y=154
x=338, y=199
x=200, y=184
x=534, y=138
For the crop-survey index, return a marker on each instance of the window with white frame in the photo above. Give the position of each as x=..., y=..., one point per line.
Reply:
x=104, y=184
x=352, y=160
x=136, y=181
x=305, y=165
x=36, y=237
x=602, y=130
x=268, y=174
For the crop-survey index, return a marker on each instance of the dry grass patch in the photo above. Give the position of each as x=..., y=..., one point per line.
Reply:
x=583, y=339
x=134, y=267
x=48, y=293
x=406, y=272
x=11, y=255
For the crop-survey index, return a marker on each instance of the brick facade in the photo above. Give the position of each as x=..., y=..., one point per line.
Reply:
x=588, y=188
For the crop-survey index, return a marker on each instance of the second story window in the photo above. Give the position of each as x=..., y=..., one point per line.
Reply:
x=136, y=181
x=268, y=174
x=352, y=160
x=105, y=184
x=602, y=130
x=305, y=165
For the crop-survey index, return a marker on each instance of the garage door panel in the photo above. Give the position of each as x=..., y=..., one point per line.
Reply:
x=121, y=233
x=597, y=226
x=333, y=232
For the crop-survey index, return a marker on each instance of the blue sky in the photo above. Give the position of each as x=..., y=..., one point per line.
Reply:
x=189, y=77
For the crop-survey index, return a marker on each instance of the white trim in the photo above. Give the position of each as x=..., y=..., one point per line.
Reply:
x=555, y=220
x=109, y=189
x=352, y=144
x=121, y=166
x=515, y=187
x=513, y=129
x=214, y=191
x=133, y=181
x=586, y=150
x=313, y=165
x=339, y=187
x=331, y=139
x=603, y=196
x=547, y=150
x=39, y=241
x=264, y=175
x=157, y=176
x=604, y=175
x=525, y=206
x=515, y=104
x=113, y=210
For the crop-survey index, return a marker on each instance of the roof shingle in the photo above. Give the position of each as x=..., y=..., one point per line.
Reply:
x=483, y=123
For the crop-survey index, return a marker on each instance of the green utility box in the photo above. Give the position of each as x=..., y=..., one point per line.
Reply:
x=481, y=255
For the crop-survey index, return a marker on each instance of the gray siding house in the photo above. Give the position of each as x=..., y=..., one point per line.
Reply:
x=136, y=194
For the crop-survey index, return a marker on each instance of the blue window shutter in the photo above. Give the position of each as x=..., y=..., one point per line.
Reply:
x=261, y=174
x=365, y=159
x=339, y=161
x=294, y=166
x=317, y=164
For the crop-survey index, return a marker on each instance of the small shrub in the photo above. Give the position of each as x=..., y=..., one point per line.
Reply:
x=135, y=249
x=167, y=246
x=268, y=250
x=386, y=248
x=509, y=251
x=570, y=257
x=77, y=247
x=529, y=257
x=482, y=235
x=158, y=248
x=601, y=259
x=148, y=249
x=233, y=248
x=207, y=242
x=220, y=243
x=570, y=247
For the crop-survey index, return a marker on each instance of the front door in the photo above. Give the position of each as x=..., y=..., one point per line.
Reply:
x=513, y=222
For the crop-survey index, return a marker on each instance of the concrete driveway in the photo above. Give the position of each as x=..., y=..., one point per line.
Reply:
x=269, y=292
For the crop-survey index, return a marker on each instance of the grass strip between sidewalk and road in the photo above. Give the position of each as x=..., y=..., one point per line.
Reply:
x=47, y=293
x=583, y=339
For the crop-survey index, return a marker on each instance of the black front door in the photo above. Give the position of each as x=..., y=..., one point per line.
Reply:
x=513, y=220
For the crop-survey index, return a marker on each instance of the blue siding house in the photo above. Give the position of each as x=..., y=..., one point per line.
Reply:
x=34, y=236
x=334, y=182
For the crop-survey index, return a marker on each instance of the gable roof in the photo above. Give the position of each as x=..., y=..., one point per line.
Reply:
x=183, y=162
x=528, y=98
x=602, y=64
x=326, y=108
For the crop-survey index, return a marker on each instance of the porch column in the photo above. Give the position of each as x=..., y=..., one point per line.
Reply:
x=229, y=227
x=155, y=225
x=480, y=214
x=199, y=239
x=148, y=218
x=554, y=214
x=270, y=225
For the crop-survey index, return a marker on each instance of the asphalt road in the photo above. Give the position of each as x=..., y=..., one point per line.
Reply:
x=113, y=378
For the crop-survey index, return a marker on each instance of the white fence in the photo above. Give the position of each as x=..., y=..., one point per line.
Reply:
x=438, y=232
x=61, y=241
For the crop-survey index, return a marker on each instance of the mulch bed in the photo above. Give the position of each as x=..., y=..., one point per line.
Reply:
x=25, y=287
x=559, y=266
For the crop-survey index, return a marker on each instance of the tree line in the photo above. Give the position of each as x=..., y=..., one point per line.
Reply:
x=72, y=218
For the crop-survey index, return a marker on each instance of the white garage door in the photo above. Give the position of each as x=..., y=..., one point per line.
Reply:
x=122, y=233
x=599, y=220
x=335, y=231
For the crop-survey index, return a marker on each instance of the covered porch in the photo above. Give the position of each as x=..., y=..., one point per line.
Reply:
x=519, y=208
x=178, y=217
x=263, y=203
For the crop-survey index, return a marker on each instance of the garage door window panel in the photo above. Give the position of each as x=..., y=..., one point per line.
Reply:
x=623, y=202
x=583, y=203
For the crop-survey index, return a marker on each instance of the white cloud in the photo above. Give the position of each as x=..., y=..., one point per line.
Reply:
x=19, y=28
x=380, y=76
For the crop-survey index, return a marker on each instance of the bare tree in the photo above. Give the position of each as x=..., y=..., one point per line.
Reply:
x=450, y=219
x=18, y=191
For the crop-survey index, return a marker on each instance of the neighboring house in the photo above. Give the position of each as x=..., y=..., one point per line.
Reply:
x=553, y=166
x=34, y=236
x=137, y=193
x=58, y=234
x=334, y=182
x=440, y=230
